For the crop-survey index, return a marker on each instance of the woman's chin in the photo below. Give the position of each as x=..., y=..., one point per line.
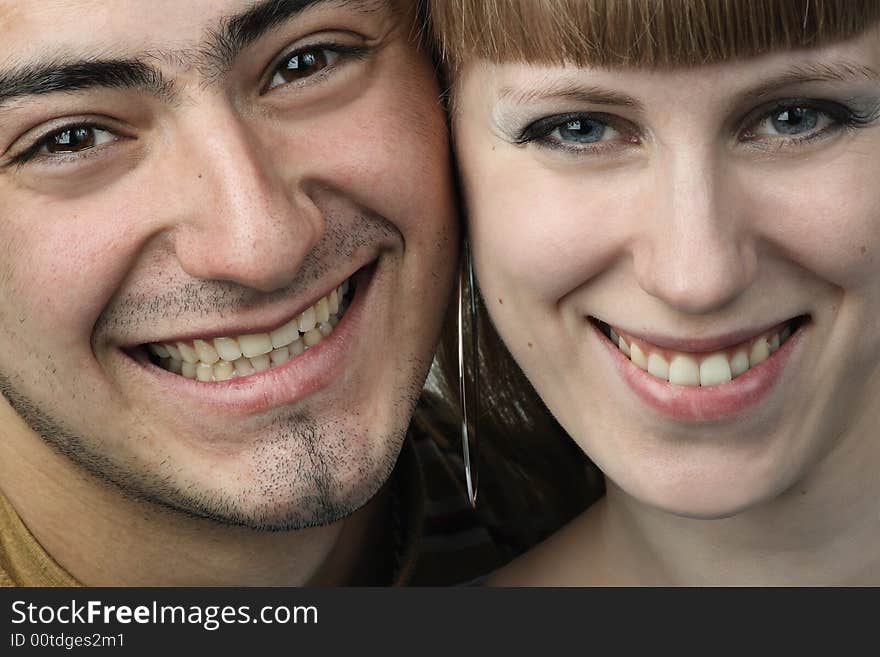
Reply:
x=706, y=489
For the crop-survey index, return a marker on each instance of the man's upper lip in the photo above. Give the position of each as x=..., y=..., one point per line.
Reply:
x=704, y=343
x=264, y=321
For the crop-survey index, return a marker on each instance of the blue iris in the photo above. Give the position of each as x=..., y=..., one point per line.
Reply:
x=795, y=120
x=583, y=131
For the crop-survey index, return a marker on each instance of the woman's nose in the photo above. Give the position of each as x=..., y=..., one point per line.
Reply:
x=697, y=254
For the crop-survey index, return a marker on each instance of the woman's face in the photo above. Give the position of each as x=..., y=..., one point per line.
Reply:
x=722, y=225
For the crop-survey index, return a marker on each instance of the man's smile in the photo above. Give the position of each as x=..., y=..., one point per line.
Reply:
x=236, y=371
x=222, y=358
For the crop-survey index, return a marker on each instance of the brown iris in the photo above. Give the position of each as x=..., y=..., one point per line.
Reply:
x=303, y=64
x=71, y=140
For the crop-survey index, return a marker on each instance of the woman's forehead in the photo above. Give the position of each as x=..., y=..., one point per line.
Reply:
x=628, y=33
x=853, y=63
x=854, y=58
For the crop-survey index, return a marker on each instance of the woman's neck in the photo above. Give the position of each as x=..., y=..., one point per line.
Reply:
x=823, y=530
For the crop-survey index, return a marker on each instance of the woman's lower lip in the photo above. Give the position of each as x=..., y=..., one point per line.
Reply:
x=709, y=404
x=296, y=379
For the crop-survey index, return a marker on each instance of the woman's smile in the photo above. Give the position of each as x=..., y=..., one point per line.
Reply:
x=703, y=379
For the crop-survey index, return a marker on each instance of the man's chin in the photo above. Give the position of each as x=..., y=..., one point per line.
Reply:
x=288, y=496
x=278, y=517
x=279, y=513
x=303, y=470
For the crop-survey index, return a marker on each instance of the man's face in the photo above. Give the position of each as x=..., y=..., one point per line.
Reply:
x=172, y=173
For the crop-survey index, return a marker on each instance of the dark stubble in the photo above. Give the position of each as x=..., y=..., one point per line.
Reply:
x=297, y=462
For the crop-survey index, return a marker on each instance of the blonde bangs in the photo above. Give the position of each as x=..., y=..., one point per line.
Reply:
x=654, y=33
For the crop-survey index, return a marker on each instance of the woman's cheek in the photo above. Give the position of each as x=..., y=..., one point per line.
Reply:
x=829, y=223
x=547, y=232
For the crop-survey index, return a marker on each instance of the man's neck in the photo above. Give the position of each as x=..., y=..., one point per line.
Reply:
x=103, y=538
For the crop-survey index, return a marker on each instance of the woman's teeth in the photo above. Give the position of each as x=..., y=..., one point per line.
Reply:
x=709, y=369
x=221, y=359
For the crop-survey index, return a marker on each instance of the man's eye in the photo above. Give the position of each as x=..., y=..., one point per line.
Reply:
x=69, y=141
x=302, y=64
x=75, y=139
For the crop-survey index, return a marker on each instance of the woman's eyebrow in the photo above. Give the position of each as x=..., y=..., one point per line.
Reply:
x=839, y=71
x=568, y=91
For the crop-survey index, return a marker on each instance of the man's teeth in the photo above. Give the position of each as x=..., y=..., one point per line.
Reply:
x=688, y=369
x=221, y=359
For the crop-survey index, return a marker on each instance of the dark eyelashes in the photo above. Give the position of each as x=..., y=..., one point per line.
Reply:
x=356, y=52
x=543, y=127
x=857, y=119
x=31, y=151
x=842, y=116
x=344, y=52
x=27, y=155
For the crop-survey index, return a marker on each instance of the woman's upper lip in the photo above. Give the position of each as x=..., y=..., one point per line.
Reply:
x=704, y=343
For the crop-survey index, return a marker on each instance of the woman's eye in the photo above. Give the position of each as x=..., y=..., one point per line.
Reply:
x=582, y=131
x=302, y=64
x=573, y=132
x=793, y=122
x=75, y=139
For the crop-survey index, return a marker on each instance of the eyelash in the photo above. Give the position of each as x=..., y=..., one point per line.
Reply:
x=342, y=52
x=539, y=132
x=33, y=151
x=842, y=118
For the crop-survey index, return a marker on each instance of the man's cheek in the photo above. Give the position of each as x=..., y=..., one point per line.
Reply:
x=72, y=271
x=396, y=147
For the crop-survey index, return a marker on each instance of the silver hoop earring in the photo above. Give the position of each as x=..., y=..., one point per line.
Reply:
x=469, y=443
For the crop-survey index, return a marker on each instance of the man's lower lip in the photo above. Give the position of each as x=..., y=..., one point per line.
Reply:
x=710, y=404
x=286, y=384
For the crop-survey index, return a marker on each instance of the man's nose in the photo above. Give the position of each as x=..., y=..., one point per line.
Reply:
x=696, y=254
x=247, y=218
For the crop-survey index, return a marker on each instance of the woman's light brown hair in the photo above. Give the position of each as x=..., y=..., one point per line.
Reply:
x=653, y=33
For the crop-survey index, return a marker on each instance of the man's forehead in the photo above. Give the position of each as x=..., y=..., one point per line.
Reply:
x=138, y=49
x=170, y=29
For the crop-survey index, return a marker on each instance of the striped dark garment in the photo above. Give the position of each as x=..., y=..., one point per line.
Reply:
x=447, y=541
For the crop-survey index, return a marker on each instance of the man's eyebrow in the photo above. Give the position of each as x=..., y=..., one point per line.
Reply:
x=839, y=71
x=59, y=75
x=568, y=91
x=65, y=73
x=235, y=33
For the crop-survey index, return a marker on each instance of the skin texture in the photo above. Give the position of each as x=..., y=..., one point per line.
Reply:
x=690, y=218
x=219, y=203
